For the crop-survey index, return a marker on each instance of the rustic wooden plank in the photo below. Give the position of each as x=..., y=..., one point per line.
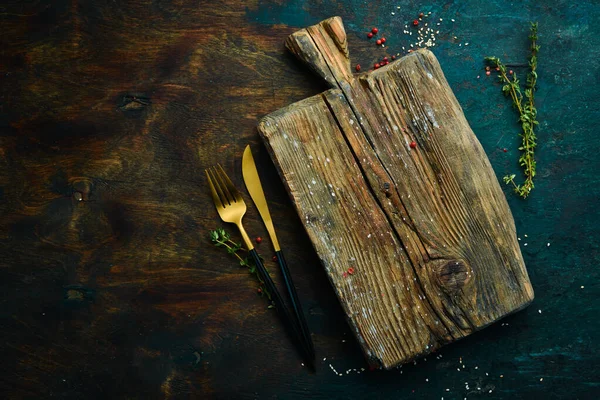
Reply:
x=425, y=227
x=341, y=216
x=110, y=284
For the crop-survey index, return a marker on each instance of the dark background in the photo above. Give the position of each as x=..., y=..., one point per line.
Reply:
x=124, y=103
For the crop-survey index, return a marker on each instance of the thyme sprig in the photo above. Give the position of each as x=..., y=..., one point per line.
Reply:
x=221, y=238
x=525, y=105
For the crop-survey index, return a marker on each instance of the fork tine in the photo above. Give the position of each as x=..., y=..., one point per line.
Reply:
x=235, y=194
x=226, y=199
x=213, y=191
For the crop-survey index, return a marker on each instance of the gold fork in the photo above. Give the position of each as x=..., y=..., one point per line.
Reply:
x=231, y=208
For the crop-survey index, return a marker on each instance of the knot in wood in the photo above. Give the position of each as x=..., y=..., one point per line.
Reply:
x=81, y=189
x=386, y=190
x=453, y=275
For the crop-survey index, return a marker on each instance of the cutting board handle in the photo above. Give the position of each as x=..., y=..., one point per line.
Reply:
x=325, y=49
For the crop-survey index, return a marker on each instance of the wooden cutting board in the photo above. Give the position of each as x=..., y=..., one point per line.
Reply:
x=419, y=243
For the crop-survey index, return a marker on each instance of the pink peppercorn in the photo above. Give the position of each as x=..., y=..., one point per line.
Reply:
x=378, y=42
x=369, y=35
x=413, y=145
x=487, y=73
x=374, y=30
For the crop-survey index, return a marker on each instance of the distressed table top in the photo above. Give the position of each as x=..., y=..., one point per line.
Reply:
x=110, y=287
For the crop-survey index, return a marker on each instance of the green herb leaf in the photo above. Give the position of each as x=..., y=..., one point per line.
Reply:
x=527, y=112
x=221, y=238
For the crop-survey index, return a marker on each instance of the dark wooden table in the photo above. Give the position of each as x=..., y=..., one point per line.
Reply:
x=110, y=288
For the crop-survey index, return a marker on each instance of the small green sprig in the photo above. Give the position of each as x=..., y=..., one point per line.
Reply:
x=525, y=105
x=221, y=238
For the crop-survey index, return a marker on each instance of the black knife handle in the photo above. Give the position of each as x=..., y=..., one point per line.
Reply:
x=284, y=312
x=289, y=283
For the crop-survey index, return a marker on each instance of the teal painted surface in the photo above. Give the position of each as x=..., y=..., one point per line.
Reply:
x=548, y=351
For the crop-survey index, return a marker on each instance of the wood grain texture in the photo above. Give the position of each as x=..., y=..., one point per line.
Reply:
x=124, y=103
x=427, y=229
x=110, y=111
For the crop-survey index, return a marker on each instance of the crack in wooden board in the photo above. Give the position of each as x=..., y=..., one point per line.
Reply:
x=435, y=254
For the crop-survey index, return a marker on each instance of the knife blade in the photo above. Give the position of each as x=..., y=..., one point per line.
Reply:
x=252, y=181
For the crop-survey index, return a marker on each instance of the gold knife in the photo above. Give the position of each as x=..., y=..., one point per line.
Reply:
x=252, y=181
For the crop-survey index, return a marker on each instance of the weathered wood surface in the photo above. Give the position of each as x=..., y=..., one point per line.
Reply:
x=121, y=297
x=427, y=229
